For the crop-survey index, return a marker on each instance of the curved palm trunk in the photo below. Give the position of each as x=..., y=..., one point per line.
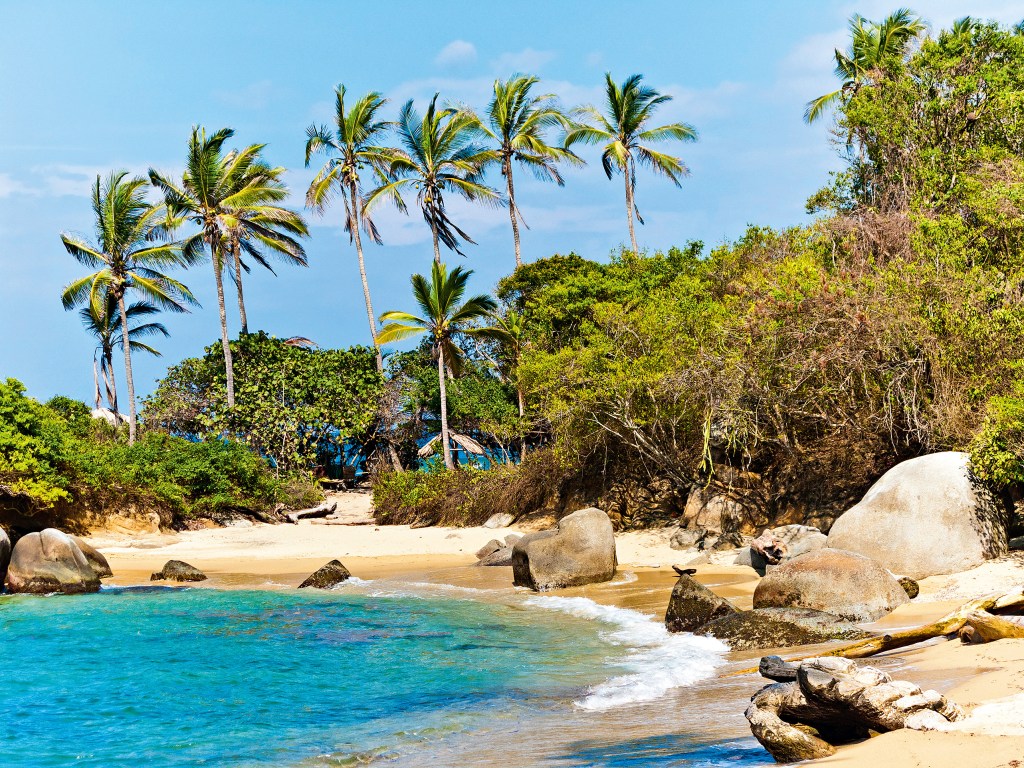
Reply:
x=237, y=256
x=630, y=207
x=512, y=211
x=229, y=370
x=444, y=409
x=127, y=369
x=354, y=218
x=96, y=383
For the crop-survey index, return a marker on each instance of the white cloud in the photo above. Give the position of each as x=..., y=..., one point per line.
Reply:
x=526, y=61
x=11, y=187
x=456, y=53
x=941, y=14
x=594, y=59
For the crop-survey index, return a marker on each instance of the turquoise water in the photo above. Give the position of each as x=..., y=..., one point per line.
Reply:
x=185, y=677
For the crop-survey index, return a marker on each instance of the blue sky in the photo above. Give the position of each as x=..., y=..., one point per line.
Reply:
x=92, y=86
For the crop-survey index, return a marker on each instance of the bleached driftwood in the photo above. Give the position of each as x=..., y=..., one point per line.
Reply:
x=983, y=627
x=321, y=510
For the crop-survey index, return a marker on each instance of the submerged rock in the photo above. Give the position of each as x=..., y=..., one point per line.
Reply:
x=178, y=570
x=779, y=628
x=328, y=576
x=844, y=584
x=693, y=605
x=580, y=550
x=50, y=561
x=924, y=517
x=96, y=560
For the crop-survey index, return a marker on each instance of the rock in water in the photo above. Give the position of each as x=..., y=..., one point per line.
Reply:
x=5, y=556
x=50, y=561
x=96, y=560
x=693, y=605
x=924, y=517
x=779, y=628
x=579, y=550
x=178, y=570
x=330, y=575
x=499, y=520
x=845, y=584
x=501, y=556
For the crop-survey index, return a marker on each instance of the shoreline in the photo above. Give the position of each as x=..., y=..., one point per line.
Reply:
x=281, y=556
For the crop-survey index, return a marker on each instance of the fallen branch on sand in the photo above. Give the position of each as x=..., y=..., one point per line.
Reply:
x=976, y=612
x=321, y=510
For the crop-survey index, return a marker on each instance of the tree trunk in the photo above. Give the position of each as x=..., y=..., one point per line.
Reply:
x=444, y=409
x=127, y=369
x=110, y=381
x=96, y=382
x=229, y=369
x=513, y=212
x=629, y=206
x=437, y=248
x=235, y=248
x=354, y=219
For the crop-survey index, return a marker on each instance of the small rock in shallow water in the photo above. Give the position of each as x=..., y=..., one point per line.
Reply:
x=328, y=576
x=779, y=628
x=692, y=605
x=178, y=570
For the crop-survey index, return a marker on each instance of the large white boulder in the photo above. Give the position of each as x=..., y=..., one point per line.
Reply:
x=924, y=517
x=580, y=550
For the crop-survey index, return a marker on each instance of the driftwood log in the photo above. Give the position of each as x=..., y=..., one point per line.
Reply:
x=951, y=624
x=320, y=510
x=835, y=701
x=983, y=627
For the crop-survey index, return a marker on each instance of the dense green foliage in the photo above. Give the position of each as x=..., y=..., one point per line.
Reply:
x=56, y=457
x=295, y=403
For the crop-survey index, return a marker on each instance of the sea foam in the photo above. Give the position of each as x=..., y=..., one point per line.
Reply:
x=657, y=660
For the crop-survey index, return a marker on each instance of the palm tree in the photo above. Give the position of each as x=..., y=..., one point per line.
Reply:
x=352, y=145
x=440, y=156
x=872, y=46
x=442, y=317
x=128, y=257
x=215, y=189
x=104, y=323
x=255, y=225
x=624, y=131
x=517, y=121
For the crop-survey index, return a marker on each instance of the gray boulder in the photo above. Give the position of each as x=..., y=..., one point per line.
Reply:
x=579, y=550
x=5, y=556
x=489, y=548
x=844, y=584
x=499, y=520
x=924, y=517
x=693, y=605
x=178, y=570
x=328, y=576
x=50, y=561
x=687, y=538
x=778, y=545
x=501, y=556
x=779, y=628
x=96, y=560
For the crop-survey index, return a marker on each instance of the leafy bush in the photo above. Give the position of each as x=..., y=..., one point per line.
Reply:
x=32, y=447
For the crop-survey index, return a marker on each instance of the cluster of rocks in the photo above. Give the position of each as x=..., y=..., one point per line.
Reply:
x=50, y=561
x=827, y=701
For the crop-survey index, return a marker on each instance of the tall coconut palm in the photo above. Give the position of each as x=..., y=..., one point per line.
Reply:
x=440, y=155
x=624, y=130
x=104, y=323
x=215, y=187
x=258, y=227
x=518, y=121
x=442, y=316
x=352, y=144
x=129, y=258
x=872, y=46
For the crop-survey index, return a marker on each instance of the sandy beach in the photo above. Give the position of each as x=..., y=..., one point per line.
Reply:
x=283, y=555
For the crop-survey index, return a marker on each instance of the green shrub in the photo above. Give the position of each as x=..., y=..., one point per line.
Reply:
x=997, y=453
x=32, y=447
